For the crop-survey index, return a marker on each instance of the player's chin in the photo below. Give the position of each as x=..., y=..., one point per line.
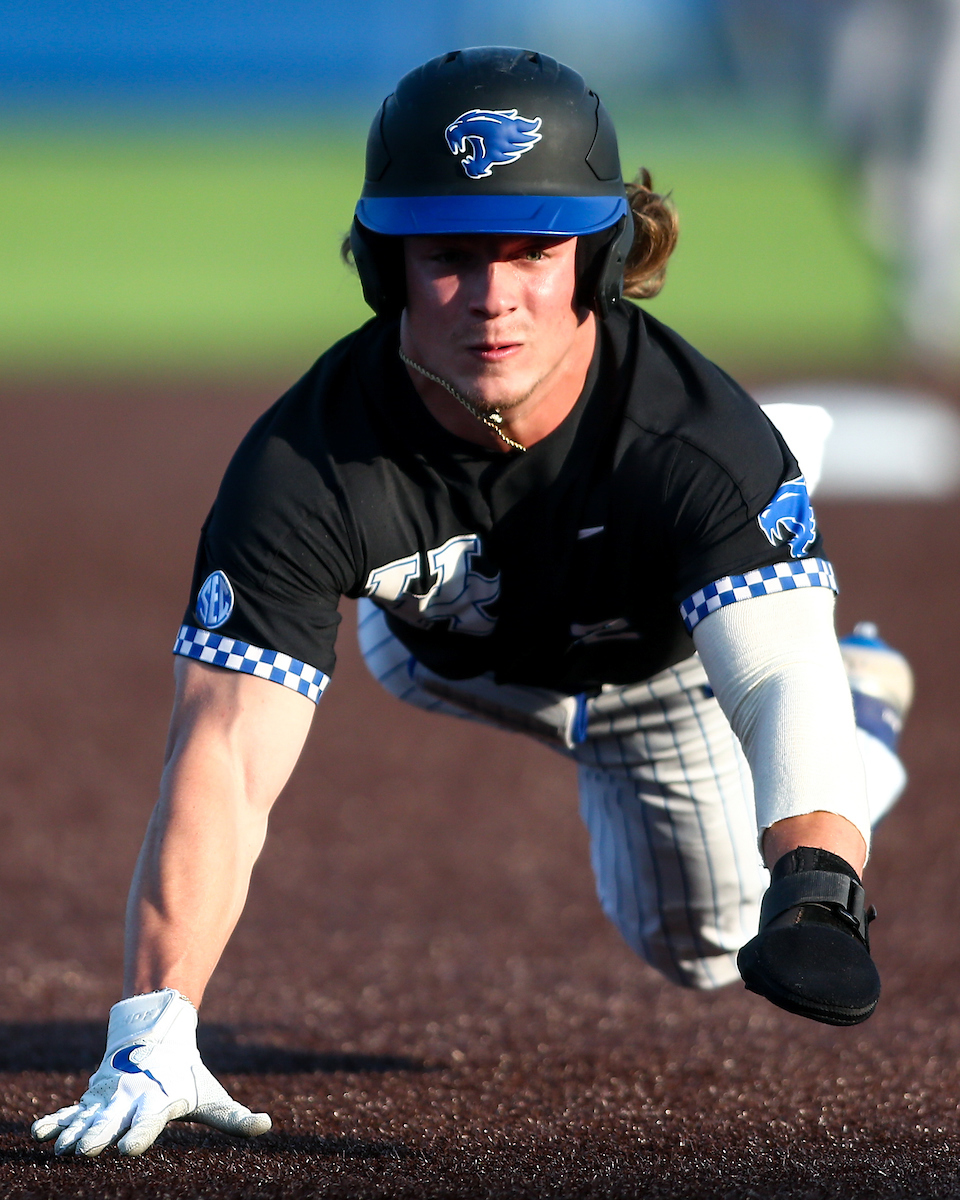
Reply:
x=499, y=399
x=495, y=387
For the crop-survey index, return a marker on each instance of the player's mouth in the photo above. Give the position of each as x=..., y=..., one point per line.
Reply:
x=494, y=352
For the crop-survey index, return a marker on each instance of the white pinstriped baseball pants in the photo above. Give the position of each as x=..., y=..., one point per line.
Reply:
x=665, y=790
x=666, y=796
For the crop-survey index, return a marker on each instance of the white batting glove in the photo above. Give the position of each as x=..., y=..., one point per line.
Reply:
x=150, y=1074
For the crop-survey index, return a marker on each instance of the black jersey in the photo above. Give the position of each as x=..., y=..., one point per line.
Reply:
x=564, y=567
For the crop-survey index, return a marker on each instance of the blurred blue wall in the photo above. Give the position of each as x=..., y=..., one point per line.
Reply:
x=344, y=54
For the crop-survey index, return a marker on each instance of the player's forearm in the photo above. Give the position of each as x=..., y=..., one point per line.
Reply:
x=776, y=669
x=191, y=880
x=233, y=742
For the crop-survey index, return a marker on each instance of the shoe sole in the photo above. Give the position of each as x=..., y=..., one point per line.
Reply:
x=826, y=1015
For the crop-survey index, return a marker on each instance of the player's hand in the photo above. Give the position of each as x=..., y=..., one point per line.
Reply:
x=151, y=1074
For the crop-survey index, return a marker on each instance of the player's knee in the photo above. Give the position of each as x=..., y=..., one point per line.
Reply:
x=700, y=972
x=707, y=974
x=688, y=958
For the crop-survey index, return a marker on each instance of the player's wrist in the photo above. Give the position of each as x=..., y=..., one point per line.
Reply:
x=164, y=1016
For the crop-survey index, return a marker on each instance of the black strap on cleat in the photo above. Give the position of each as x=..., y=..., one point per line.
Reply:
x=845, y=897
x=811, y=955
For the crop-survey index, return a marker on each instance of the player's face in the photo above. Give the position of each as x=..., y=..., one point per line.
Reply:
x=493, y=315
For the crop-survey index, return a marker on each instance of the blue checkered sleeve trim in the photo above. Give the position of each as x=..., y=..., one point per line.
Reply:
x=251, y=660
x=781, y=577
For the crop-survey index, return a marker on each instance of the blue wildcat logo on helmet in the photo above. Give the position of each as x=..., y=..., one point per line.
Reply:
x=490, y=137
x=789, y=519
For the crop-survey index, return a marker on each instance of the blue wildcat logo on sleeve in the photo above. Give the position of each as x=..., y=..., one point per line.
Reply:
x=490, y=137
x=788, y=519
x=214, y=601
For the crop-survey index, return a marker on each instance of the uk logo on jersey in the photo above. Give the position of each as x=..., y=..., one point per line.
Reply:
x=491, y=137
x=214, y=601
x=788, y=519
x=459, y=594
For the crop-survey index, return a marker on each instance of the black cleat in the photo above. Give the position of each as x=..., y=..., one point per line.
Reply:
x=812, y=953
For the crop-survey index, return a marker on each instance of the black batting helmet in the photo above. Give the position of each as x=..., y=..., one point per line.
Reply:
x=492, y=140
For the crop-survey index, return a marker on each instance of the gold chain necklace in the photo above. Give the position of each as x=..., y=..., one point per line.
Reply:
x=493, y=420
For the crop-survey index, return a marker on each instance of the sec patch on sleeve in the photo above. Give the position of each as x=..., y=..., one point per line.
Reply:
x=788, y=519
x=214, y=601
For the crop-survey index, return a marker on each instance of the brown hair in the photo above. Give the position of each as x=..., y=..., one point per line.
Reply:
x=655, y=230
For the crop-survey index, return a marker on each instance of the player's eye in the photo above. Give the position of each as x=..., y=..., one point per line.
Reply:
x=448, y=258
x=533, y=254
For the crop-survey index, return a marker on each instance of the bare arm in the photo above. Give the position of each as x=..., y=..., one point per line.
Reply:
x=234, y=740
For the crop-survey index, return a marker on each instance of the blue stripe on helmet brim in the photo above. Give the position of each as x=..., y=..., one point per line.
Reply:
x=571, y=216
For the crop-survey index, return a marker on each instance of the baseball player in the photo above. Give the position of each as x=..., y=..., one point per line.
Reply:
x=557, y=517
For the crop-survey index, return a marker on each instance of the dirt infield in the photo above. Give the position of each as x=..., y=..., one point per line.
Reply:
x=423, y=991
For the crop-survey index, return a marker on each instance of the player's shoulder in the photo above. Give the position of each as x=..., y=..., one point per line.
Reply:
x=329, y=388
x=324, y=409
x=682, y=392
x=680, y=397
x=289, y=457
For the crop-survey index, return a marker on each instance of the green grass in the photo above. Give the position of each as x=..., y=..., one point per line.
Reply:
x=220, y=252
x=769, y=268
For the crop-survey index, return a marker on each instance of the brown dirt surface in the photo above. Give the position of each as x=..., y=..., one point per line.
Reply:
x=423, y=991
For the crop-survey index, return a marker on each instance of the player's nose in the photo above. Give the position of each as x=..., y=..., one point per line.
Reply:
x=493, y=289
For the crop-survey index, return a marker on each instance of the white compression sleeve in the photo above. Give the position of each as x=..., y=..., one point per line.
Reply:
x=775, y=666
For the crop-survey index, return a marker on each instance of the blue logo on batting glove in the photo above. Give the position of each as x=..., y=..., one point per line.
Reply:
x=788, y=519
x=123, y=1061
x=214, y=601
x=491, y=137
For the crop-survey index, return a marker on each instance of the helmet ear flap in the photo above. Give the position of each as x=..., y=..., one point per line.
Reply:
x=380, y=265
x=601, y=258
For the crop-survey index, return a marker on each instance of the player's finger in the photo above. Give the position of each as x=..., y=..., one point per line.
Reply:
x=112, y=1121
x=45, y=1128
x=147, y=1127
x=141, y=1136
x=231, y=1117
x=67, y=1140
